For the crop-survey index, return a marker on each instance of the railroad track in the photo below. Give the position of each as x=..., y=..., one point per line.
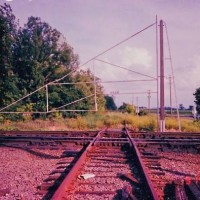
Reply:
x=168, y=159
x=116, y=164
x=112, y=166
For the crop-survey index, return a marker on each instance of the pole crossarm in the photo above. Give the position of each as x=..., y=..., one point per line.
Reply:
x=72, y=111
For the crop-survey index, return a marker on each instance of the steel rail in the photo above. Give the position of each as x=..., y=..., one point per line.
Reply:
x=168, y=140
x=167, y=134
x=45, y=132
x=43, y=138
x=67, y=183
x=142, y=166
x=165, y=143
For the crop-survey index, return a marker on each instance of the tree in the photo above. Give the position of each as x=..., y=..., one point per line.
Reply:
x=35, y=55
x=127, y=108
x=197, y=100
x=87, y=86
x=8, y=34
x=110, y=104
x=181, y=107
x=40, y=58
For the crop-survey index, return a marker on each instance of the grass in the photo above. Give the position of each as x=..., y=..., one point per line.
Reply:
x=95, y=121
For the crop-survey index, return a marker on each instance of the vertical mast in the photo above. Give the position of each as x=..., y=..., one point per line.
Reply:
x=149, y=99
x=95, y=90
x=47, y=98
x=162, y=112
x=170, y=94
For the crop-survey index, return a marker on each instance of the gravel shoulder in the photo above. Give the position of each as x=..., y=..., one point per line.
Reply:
x=22, y=171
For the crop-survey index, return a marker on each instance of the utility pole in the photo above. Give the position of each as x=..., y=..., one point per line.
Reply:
x=137, y=110
x=47, y=98
x=162, y=105
x=95, y=90
x=132, y=99
x=149, y=99
x=170, y=94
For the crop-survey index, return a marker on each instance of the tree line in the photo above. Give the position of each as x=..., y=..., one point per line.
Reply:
x=35, y=55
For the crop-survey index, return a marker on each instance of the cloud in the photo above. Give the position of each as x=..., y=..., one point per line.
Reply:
x=194, y=70
x=108, y=72
x=136, y=56
x=92, y=26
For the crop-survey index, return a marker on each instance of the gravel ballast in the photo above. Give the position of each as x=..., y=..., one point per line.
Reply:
x=22, y=171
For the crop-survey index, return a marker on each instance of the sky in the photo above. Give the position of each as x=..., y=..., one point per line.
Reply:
x=92, y=26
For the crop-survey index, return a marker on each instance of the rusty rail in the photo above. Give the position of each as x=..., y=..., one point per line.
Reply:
x=67, y=183
x=142, y=166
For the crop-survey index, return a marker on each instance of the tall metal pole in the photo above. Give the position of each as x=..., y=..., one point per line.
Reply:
x=149, y=99
x=162, y=111
x=170, y=94
x=137, y=110
x=47, y=98
x=132, y=99
x=157, y=74
x=95, y=90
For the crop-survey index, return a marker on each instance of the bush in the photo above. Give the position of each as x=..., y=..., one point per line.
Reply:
x=96, y=121
x=142, y=113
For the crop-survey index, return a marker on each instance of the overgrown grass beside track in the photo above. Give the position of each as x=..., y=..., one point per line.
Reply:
x=94, y=121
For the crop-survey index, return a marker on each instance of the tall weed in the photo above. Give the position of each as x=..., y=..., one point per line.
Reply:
x=94, y=121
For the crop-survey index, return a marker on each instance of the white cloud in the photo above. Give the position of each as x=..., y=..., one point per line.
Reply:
x=194, y=70
x=187, y=80
x=108, y=72
x=136, y=56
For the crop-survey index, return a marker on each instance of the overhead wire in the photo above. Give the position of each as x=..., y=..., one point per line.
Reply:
x=119, y=43
x=57, y=80
x=172, y=70
x=130, y=70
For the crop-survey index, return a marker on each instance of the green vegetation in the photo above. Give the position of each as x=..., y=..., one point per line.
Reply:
x=99, y=120
x=110, y=104
x=127, y=108
x=197, y=99
x=33, y=56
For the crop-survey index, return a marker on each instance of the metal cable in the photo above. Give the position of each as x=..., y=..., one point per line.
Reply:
x=130, y=70
x=171, y=64
x=118, y=44
x=57, y=80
